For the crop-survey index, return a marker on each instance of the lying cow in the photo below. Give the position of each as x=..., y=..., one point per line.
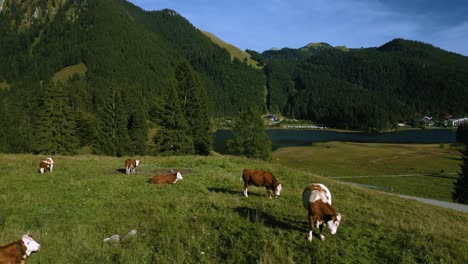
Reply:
x=167, y=178
x=130, y=165
x=316, y=198
x=17, y=252
x=261, y=178
x=46, y=164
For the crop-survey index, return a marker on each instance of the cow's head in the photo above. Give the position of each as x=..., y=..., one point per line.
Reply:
x=179, y=176
x=137, y=162
x=278, y=189
x=334, y=223
x=30, y=244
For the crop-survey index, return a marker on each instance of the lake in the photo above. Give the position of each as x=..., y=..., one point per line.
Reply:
x=305, y=137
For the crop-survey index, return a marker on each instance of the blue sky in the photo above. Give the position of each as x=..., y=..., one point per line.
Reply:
x=264, y=24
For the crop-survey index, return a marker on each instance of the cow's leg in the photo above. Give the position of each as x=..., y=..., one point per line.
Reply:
x=51, y=167
x=311, y=226
x=268, y=192
x=322, y=237
x=41, y=170
x=127, y=170
x=245, y=190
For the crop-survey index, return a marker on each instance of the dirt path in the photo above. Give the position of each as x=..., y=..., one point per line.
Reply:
x=454, y=206
x=394, y=175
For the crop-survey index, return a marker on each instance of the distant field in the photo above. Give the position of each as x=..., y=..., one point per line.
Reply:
x=204, y=218
x=67, y=72
x=4, y=85
x=435, y=164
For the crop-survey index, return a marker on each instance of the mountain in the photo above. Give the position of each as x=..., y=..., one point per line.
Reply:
x=368, y=88
x=96, y=51
x=235, y=52
x=109, y=66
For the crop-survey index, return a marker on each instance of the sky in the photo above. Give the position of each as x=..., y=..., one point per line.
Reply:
x=264, y=24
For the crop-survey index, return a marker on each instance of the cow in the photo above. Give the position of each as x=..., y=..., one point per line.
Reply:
x=316, y=199
x=18, y=251
x=261, y=178
x=46, y=164
x=166, y=178
x=130, y=165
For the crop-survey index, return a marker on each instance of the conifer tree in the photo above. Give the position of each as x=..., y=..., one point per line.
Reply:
x=173, y=135
x=55, y=128
x=249, y=137
x=462, y=134
x=460, y=193
x=113, y=135
x=195, y=107
x=138, y=132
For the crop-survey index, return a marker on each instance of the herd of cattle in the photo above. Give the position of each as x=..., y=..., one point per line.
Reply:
x=316, y=199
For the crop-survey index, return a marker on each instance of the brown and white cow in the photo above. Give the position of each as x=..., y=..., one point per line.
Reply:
x=166, y=178
x=261, y=178
x=18, y=251
x=130, y=165
x=316, y=198
x=46, y=164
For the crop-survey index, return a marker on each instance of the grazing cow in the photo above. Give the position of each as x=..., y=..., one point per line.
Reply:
x=17, y=252
x=261, y=178
x=46, y=164
x=316, y=198
x=166, y=178
x=130, y=165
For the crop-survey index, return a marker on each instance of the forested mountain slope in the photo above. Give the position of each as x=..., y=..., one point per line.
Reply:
x=98, y=75
x=369, y=88
x=126, y=58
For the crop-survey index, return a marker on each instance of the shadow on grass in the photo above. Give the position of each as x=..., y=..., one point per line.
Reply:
x=269, y=220
x=225, y=190
x=121, y=170
x=441, y=175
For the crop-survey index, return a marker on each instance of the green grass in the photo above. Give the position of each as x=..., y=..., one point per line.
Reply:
x=436, y=164
x=67, y=72
x=233, y=50
x=204, y=218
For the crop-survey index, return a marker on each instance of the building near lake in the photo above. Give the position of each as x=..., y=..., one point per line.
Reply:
x=456, y=122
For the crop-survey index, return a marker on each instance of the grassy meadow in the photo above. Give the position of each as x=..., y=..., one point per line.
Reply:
x=424, y=170
x=204, y=218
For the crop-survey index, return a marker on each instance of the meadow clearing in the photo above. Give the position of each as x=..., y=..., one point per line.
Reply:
x=205, y=219
x=423, y=170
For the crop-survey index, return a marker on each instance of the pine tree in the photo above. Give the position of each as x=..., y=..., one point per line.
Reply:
x=113, y=138
x=172, y=137
x=55, y=126
x=462, y=134
x=460, y=193
x=195, y=107
x=138, y=132
x=249, y=137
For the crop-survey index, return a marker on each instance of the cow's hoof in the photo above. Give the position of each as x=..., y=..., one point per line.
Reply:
x=322, y=237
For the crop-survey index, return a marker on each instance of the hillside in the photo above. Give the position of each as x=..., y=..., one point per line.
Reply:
x=233, y=50
x=203, y=218
x=103, y=51
x=367, y=89
x=110, y=66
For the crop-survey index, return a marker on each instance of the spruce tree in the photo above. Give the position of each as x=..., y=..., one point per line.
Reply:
x=138, y=132
x=195, y=107
x=462, y=134
x=460, y=193
x=113, y=138
x=172, y=137
x=55, y=128
x=249, y=136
